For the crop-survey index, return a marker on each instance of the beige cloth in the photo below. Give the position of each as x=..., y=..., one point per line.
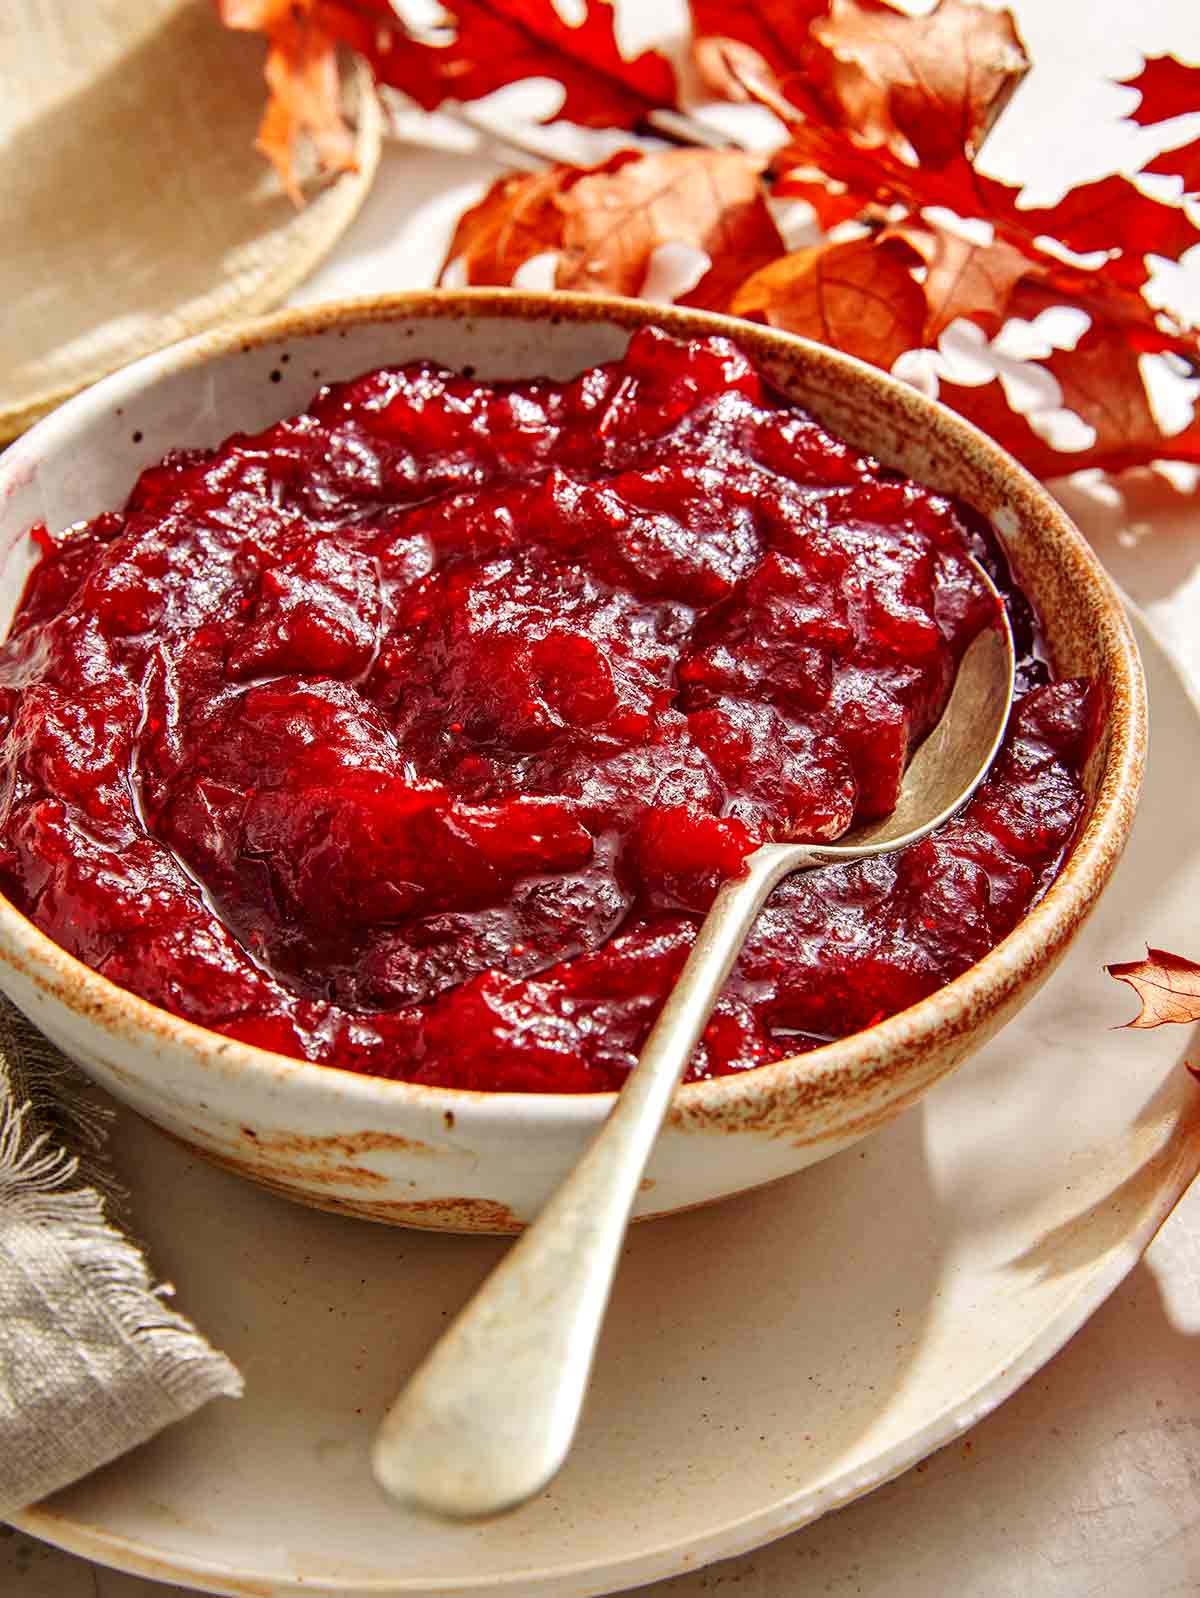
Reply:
x=136, y=208
x=92, y=1361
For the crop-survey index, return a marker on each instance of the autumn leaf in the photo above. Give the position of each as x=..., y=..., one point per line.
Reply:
x=1015, y=273
x=710, y=199
x=605, y=223
x=931, y=85
x=963, y=278
x=977, y=281
x=857, y=296
x=1182, y=161
x=769, y=37
x=943, y=111
x=1101, y=381
x=485, y=45
x=1123, y=312
x=1168, y=89
x=1167, y=985
x=1112, y=214
x=724, y=65
x=934, y=84
x=497, y=42
x=840, y=177
x=515, y=220
x=304, y=86
x=885, y=114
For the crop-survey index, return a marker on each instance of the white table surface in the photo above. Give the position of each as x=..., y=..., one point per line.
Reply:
x=1086, y=1484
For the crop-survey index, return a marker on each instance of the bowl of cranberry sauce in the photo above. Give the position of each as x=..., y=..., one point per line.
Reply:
x=389, y=687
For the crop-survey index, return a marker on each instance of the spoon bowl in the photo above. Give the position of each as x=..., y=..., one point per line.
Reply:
x=488, y=1418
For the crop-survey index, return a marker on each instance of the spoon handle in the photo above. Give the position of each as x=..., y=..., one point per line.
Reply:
x=488, y=1417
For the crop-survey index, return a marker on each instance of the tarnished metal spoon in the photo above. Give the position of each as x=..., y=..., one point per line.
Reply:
x=488, y=1418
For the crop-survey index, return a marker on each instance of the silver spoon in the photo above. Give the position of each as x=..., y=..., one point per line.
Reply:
x=488, y=1417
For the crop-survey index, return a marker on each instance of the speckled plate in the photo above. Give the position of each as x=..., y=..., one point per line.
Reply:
x=764, y=1361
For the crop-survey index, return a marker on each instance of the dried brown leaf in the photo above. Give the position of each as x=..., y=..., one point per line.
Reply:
x=711, y=199
x=858, y=296
x=1167, y=985
x=515, y=220
x=962, y=278
x=606, y=222
x=934, y=84
x=304, y=87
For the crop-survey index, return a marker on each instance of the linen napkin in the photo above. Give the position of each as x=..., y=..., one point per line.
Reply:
x=92, y=1361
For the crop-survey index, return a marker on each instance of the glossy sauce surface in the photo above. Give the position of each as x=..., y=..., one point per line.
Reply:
x=415, y=734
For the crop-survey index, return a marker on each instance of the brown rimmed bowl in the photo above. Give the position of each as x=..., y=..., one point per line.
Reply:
x=470, y=1161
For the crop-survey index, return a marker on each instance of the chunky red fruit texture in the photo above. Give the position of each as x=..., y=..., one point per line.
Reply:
x=415, y=734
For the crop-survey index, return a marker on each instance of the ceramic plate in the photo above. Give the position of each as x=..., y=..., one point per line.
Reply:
x=764, y=1361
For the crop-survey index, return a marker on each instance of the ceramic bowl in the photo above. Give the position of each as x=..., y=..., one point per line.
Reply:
x=470, y=1161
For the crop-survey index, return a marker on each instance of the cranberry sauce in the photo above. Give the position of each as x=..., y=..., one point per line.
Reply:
x=414, y=734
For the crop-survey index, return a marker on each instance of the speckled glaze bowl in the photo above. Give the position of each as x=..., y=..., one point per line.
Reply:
x=469, y=1161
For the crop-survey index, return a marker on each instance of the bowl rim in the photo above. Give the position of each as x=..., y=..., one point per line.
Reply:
x=743, y=1098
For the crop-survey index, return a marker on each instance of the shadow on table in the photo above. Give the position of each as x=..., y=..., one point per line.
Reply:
x=1120, y=516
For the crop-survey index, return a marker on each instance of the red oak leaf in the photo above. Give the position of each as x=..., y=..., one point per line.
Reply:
x=1123, y=311
x=606, y=222
x=487, y=44
x=1181, y=162
x=1111, y=214
x=931, y=84
x=1167, y=985
x=821, y=155
x=1168, y=89
x=711, y=199
x=1101, y=382
x=775, y=31
x=885, y=114
x=859, y=296
x=497, y=42
x=724, y=64
x=989, y=409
